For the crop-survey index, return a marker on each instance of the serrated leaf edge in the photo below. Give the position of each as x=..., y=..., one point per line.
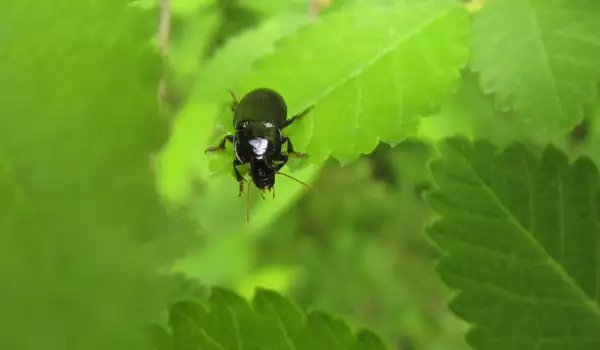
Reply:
x=449, y=142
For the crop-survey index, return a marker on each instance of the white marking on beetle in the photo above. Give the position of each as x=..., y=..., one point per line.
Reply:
x=259, y=145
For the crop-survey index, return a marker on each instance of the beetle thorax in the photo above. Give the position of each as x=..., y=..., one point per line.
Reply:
x=256, y=141
x=259, y=146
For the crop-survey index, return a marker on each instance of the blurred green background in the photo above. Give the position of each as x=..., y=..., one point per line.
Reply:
x=354, y=247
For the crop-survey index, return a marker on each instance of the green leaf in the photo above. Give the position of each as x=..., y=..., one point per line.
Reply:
x=231, y=321
x=187, y=319
x=184, y=152
x=278, y=317
x=273, y=322
x=325, y=332
x=159, y=338
x=368, y=340
x=182, y=310
x=370, y=71
x=543, y=62
x=521, y=237
x=78, y=124
x=468, y=111
x=236, y=57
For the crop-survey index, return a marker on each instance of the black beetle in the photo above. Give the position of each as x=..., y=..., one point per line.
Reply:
x=258, y=120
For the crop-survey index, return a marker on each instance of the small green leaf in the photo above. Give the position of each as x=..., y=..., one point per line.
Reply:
x=188, y=335
x=236, y=57
x=188, y=320
x=160, y=338
x=370, y=71
x=231, y=321
x=521, y=237
x=187, y=309
x=280, y=318
x=324, y=332
x=367, y=340
x=543, y=62
x=273, y=322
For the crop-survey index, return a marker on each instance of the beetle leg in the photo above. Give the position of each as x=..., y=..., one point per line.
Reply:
x=282, y=159
x=290, y=148
x=297, y=116
x=238, y=176
x=221, y=145
x=234, y=102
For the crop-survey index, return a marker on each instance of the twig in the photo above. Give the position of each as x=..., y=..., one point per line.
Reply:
x=164, y=29
x=313, y=9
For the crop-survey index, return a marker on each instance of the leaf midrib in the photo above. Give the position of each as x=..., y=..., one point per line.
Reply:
x=545, y=58
x=236, y=326
x=586, y=300
x=281, y=326
x=203, y=332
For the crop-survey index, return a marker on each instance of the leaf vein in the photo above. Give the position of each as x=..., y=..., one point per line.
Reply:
x=534, y=243
x=236, y=327
x=561, y=217
x=281, y=326
x=545, y=58
x=500, y=254
x=532, y=299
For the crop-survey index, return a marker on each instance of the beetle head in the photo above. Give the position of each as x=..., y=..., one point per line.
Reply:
x=262, y=174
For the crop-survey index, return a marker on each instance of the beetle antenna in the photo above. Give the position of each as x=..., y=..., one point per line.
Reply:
x=298, y=181
x=248, y=205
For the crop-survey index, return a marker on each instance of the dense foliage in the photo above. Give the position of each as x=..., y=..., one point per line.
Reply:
x=454, y=147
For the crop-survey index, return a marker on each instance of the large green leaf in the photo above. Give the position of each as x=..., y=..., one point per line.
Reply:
x=272, y=322
x=236, y=57
x=543, y=62
x=521, y=238
x=370, y=70
x=78, y=123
